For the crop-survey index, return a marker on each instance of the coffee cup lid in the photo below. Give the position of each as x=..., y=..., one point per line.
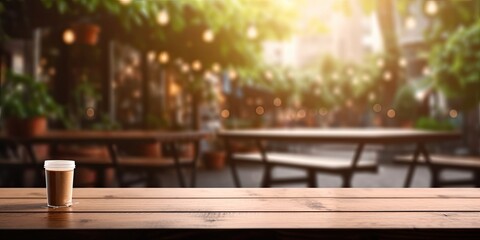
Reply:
x=59, y=164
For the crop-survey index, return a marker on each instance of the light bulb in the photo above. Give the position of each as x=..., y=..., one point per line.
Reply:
x=68, y=36
x=163, y=57
x=431, y=7
x=252, y=32
x=163, y=18
x=208, y=36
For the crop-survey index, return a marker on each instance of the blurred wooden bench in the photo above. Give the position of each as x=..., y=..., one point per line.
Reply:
x=311, y=164
x=448, y=162
x=149, y=165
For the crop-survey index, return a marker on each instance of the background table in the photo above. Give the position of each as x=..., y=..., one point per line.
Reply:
x=442, y=210
x=361, y=137
x=111, y=139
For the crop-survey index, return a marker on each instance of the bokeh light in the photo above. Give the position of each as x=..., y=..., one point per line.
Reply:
x=277, y=102
x=410, y=23
x=151, y=56
x=301, y=113
x=125, y=2
x=391, y=113
x=216, y=67
x=377, y=107
x=163, y=57
x=196, y=65
x=208, y=36
x=252, y=32
x=402, y=62
x=431, y=7
x=68, y=36
x=453, y=113
x=90, y=112
x=232, y=74
x=259, y=110
x=225, y=113
x=163, y=17
x=387, y=76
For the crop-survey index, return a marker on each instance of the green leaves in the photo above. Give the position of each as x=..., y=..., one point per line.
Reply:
x=23, y=97
x=456, y=68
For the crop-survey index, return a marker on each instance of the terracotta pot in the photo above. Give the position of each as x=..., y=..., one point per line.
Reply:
x=214, y=160
x=187, y=150
x=26, y=127
x=86, y=33
x=85, y=176
x=153, y=149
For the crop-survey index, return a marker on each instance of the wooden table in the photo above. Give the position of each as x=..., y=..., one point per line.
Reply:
x=111, y=139
x=336, y=209
x=361, y=137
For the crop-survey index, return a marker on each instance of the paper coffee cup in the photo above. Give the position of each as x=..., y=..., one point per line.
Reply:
x=59, y=182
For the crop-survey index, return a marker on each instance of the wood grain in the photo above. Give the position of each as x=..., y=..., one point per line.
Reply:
x=246, y=205
x=181, y=208
x=111, y=193
x=242, y=220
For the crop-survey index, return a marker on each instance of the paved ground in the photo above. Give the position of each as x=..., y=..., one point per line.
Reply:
x=389, y=174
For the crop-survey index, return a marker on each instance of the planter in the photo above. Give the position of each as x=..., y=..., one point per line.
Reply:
x=26, y=127
x=214, y=160
x=85, y=176
x=153, y=149
x=86, y=33
x=187, y=150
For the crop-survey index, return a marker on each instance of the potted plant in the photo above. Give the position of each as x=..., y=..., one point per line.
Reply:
x=151, y=149
x=85, y=96
x=25, y=105
x=405, y=106
x=86, y=33
x=215, y=157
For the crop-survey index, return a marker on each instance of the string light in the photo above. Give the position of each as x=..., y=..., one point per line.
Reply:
x=431, y=7
x=163, y=57
x=196, y=65
x=232, y=74
x=410, y=23
x=68, y=36
x=453, y=113
x=426, y=71
x=268, y=75
x=277, y=102
x=301, y=113
x=252, y=32
x=377, y=107
x=402, y=62
x=216, y=67
x=151, y=56
x=387, y=76
x=208, y=36
x=90, y=112
x=163, y=17
x=225, y=113
x=185, y=68
x=125, y=2
x=259, y=110
x=391, y=113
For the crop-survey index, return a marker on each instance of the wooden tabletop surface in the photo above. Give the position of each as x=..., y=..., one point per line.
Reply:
x=350, y=135
x=228, y=208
